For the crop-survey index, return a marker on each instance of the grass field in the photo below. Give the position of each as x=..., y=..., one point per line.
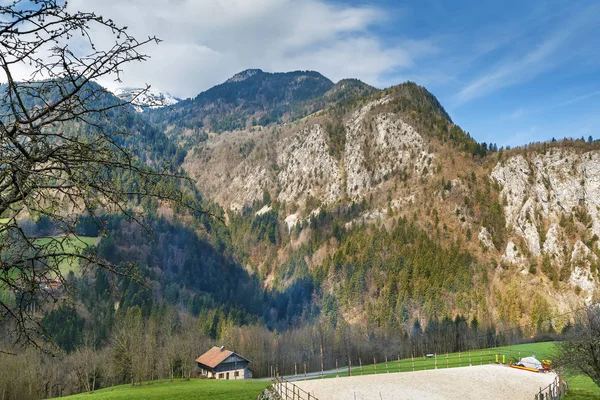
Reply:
x=71, y=244
x=580, y=387
x=193, y=389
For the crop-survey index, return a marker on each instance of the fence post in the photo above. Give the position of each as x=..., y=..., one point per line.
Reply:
x=337, y=371
x=489, y=357
x=470, y=362
x=295, y=369
x=447, y=360
x=304, y=370
x=459, y=360
x=424, y=363
x=399, y=367
x=321, y=368
x=375, y=364
x=480, y=358
x=349, y=367
x=386, y=365
x=435, y=359
x=360, y=363
x=412, y=358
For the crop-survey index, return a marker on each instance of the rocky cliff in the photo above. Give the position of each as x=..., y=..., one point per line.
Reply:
x=551, y=200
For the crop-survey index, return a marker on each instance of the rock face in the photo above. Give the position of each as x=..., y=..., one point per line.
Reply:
x=549, y=197
x=306, y=168
x=378, y=145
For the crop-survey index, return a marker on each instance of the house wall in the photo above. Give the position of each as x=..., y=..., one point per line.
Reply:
x=221, y=372
x=243, y=373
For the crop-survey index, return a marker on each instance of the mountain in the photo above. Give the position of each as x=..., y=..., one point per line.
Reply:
x=143, y=100
x=372, y=204
x=504, y=235
x=249, y=98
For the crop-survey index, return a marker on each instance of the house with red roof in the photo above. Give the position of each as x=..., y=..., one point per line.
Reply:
x=220, y=363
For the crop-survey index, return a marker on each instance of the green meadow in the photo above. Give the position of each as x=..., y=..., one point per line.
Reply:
x=70, y=244
x=179, y=389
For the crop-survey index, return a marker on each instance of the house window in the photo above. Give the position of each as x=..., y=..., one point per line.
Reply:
x=237, y=373
x=220, y=376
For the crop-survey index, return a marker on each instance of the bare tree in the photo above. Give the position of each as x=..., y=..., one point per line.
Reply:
x=580, y=351
x=86, y=363
x=58, y=158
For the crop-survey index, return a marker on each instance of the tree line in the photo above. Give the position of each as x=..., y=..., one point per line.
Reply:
x=140, y=350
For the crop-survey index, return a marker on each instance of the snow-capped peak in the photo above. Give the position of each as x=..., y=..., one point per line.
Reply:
x=149, y=99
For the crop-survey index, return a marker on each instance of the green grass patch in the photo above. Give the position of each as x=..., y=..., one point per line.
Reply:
x=70, y=244
x=580, y=387
x=463, y=359
x=193, y=389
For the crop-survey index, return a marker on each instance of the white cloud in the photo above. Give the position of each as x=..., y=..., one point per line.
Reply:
x=207, y=41
x=578, y=98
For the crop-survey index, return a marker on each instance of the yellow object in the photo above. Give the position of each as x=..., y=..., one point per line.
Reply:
x=503, y=359
x=524, y=368
x=496, y=358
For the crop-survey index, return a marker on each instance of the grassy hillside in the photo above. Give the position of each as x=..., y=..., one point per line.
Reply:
x=71, y=244
x=193, y=389
x=580, y=387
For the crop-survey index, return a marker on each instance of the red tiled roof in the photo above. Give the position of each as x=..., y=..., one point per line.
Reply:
x=214, y=356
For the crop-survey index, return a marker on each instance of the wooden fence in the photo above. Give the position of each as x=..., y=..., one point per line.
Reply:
x=286, y=390
x=555, y=390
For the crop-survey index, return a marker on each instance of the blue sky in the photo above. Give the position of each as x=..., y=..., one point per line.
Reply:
x=508, y=72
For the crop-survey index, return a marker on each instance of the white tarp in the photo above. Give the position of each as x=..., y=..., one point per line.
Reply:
x=530, y=362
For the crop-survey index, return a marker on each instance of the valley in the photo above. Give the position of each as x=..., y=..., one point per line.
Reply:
x=322, y=222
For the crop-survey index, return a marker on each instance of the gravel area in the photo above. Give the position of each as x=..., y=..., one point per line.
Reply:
x=478, y=382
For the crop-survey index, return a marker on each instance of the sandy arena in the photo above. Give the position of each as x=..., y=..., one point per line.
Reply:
x=478, y=382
